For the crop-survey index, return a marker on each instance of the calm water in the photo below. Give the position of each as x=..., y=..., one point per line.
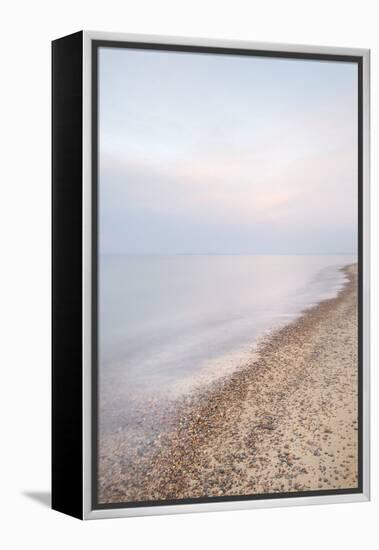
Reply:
x=168, y=322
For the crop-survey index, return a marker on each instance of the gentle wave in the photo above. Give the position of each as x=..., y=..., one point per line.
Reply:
x=168, y=323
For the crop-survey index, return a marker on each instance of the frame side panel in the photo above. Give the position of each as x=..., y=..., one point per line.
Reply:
x=67, y=452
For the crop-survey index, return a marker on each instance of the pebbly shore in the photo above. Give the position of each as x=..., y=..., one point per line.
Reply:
x=288, y=421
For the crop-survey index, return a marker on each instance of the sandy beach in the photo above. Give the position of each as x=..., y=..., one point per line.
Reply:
x=287, y=421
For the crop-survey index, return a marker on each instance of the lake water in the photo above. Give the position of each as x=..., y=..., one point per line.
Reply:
x=167, y=323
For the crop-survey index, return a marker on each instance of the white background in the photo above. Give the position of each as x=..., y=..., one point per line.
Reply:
x=26, y=30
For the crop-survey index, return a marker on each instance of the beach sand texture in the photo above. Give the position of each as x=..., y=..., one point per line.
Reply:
x=286, y=422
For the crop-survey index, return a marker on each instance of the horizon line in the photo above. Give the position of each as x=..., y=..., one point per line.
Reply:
x=228, y=253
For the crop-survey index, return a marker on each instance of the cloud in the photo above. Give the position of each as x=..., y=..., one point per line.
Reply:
x=227, y=154
x=251, y=187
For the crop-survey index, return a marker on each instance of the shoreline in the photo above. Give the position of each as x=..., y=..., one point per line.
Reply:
x=285, y=422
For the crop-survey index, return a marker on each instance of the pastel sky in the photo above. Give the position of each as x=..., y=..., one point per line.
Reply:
x=203, y=153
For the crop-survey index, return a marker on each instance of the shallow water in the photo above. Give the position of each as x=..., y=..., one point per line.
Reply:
x=169, y=323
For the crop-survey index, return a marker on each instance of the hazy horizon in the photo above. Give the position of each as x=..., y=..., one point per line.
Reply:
x=217, y=154
x=210, y=253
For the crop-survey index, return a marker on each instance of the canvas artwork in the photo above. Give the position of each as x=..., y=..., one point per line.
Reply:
x=210, y=275
x=227, y=355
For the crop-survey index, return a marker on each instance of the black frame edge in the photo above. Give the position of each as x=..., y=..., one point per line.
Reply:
x=67, y=405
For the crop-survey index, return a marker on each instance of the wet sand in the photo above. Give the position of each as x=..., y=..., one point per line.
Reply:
x=286, y=422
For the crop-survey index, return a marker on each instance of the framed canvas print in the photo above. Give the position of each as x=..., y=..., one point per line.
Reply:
x=210, y=275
